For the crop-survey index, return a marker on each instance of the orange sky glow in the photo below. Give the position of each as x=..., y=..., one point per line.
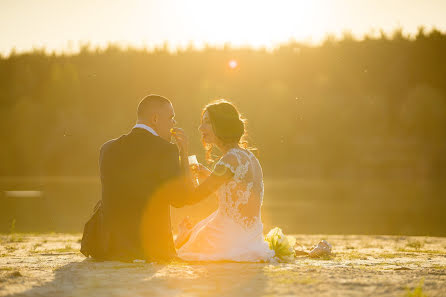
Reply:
x=62, y=26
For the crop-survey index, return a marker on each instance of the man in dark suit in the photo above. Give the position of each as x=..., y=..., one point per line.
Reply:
x=139, y=173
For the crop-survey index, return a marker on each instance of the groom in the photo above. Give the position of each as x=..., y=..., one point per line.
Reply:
x=139, y=171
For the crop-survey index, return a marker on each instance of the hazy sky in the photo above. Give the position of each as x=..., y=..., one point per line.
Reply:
x=62, y=24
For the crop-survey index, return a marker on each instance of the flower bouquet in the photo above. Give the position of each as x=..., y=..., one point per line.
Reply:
x=281, y=244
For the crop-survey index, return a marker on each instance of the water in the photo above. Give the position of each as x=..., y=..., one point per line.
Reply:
x=309, y=206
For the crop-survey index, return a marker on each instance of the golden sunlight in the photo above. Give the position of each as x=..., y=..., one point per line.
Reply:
x=149, y=23
x=123, y=171
x=233, y=64
x=240, y=23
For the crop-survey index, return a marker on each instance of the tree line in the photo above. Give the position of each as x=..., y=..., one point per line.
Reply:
x=374, y=107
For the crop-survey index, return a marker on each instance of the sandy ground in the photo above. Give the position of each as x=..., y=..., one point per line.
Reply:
x=51, y=265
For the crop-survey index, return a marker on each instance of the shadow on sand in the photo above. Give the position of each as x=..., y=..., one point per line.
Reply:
x=92, y=278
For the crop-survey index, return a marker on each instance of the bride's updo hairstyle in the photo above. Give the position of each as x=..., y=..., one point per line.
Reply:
x=227, y=124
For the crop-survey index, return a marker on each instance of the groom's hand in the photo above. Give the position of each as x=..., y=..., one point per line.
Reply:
x=181, y=140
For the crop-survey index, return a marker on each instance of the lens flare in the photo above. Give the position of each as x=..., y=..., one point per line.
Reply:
x=233, y=64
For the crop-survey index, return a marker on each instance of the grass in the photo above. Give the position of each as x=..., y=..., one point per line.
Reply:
x=377, y=266
x=14, y=274
x=372, y=246
x=435, y=252
x=130, y=266
x=440, y=267
x=307, y=281
x=351, y=256
x=13, y=236
x=11, y=248
x=388, y=255
x=362, y=267
x=325, y=257
x=417, y=291
x=415, y=244
x=34, y=248
x=65, y=249
x=287, y=277
x=16, y=238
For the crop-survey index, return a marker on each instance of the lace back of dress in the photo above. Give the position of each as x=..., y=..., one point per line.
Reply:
x=242, y=197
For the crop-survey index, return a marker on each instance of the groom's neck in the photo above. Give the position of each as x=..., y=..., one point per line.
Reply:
x=145, y=123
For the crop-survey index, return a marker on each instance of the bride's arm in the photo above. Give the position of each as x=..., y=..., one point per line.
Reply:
x=189, y=194
x=183, y=192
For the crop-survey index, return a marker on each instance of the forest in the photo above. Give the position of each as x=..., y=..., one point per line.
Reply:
x=347, y=108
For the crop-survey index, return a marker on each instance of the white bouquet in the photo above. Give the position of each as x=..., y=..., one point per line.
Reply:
x=281, y=244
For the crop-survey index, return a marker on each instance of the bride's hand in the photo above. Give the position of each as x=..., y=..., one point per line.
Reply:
x=201, y=172
x=184, y=229
x=186, y=224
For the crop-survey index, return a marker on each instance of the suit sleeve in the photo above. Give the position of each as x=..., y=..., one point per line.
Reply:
x=104, y=170
x=171, y=176
x=175, y=188
x=172, y=169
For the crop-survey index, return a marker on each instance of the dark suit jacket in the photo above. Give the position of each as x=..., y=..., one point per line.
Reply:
x=134, y=170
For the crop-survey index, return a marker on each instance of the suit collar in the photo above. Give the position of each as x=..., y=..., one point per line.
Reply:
x=147, y=128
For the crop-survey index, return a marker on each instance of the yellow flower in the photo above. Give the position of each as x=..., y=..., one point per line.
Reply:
x=282, y=245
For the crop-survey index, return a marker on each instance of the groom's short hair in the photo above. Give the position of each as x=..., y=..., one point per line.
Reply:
x=149, y=103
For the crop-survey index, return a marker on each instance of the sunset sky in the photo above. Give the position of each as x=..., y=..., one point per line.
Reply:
x=62, y=24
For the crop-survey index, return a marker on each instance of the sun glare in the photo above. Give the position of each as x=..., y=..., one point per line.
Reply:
x=247, y=23
x=233, y=64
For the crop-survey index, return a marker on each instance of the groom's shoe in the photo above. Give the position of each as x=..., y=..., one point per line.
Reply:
x=323, y=248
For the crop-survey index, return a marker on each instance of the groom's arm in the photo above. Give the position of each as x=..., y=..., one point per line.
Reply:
x=182, y=152
x=184, y=164
x=179, y=183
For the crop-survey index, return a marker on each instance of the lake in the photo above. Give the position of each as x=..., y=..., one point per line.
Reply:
x=298, y=206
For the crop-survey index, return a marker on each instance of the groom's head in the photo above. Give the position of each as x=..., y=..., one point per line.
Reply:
x=157, y=112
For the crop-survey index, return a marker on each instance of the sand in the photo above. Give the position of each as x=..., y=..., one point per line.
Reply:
x=51, y=265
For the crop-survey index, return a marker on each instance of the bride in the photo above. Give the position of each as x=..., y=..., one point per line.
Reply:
x=234, y=232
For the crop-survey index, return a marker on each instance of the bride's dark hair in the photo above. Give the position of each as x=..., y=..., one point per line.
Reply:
x=227, y=123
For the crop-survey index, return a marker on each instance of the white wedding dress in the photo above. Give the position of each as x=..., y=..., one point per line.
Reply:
x=234, y=232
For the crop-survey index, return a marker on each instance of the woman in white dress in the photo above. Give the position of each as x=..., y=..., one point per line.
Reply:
x=234, y=232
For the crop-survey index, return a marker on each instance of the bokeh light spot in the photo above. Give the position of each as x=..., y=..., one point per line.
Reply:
x=233, y=64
